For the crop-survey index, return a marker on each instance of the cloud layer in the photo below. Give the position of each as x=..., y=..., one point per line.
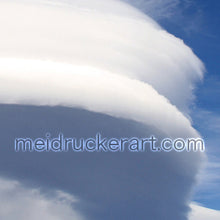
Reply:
x=123, y=41
x=50, y=83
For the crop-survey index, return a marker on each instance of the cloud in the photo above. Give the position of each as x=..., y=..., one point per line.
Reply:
x=63, y=85
x=23, y=203
x=158, y=9
x=87, y=66
x=208, y=121
x=108, y=184
x=123, y=49
x=202, y=213
x=173, y=12
x=33, y=203
x=208, y=124
x=209, y=180
x=123, y=41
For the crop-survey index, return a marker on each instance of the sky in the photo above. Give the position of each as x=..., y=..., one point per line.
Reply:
x=122, y=68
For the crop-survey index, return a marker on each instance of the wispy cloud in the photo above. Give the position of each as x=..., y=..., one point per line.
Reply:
x=208, y=123
x=185, y=14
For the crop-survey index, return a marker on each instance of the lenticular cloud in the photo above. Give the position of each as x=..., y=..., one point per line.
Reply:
x=70, y=49
x=111, y=61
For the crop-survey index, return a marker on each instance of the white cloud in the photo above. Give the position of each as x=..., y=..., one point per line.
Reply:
x=208, y=120
x=158, y=9
x=105, y=57
x=111, y=36
x=23, y=203
x=209, y=125
x=48, y=83
x=209, y=179
x=203, y=213
x=125, y=43
x=173, y=11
